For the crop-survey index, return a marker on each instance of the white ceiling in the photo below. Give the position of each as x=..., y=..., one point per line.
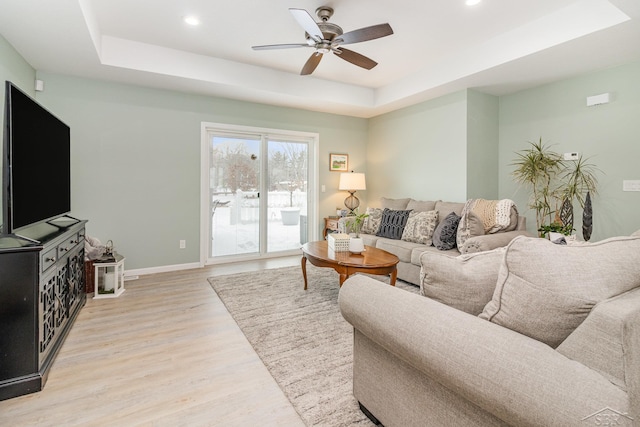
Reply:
x=438, y=46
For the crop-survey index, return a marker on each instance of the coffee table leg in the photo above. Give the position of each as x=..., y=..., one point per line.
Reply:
x=394, y=275
x=303, y=262
x=343, y=277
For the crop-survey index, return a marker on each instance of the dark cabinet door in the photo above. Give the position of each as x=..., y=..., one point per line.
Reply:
x=18, y=316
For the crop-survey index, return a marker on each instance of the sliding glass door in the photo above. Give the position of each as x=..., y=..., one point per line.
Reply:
x=258, y=192
x=235, y=195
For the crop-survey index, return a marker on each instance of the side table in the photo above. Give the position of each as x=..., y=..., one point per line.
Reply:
x=109, y=277
x=330, y=224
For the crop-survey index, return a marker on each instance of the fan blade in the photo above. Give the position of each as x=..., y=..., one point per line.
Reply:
x=366, y=33
x=307, y=23
x=279, y=46
x=355, y=58
x=311, y=64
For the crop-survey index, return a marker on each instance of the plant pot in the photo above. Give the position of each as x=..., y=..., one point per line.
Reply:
x=553, y=236
x=290, y=216
x=356, y=245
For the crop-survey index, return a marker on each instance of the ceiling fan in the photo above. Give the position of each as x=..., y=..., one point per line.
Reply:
x=327, y=37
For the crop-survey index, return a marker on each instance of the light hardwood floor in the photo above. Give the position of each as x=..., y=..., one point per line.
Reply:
x=165, y=353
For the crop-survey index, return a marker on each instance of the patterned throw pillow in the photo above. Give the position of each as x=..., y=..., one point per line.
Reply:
x=372, y=222
x=393, y=223
x=444, y=236
x=420, y=227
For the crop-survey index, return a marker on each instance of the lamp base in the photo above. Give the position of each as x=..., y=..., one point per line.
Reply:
x=352, y=202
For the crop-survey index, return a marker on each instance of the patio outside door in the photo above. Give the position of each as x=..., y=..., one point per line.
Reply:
x=258, y=193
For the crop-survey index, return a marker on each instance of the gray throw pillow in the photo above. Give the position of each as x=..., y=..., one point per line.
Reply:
x=444, y=236
x=545, y=290
x=393, y=223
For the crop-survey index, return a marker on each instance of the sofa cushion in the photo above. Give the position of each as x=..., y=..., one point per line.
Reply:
x=370, y=239
x=444, y=236
x=392, y=224
x=445, y=207
x=399, y=248
x=545, y=290
x=394, y=204
x=420, y=227
x=371, y=223
x=421, y=205
x=465, y=282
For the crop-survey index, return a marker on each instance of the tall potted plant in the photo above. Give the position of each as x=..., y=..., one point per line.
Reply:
x=538, y=168
x=554, y=185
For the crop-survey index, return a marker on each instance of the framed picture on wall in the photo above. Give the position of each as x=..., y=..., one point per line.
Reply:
x=338, y=162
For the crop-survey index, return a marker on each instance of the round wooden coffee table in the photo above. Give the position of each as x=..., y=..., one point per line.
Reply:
x=372, y=261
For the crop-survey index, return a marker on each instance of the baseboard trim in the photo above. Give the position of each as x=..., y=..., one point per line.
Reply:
x=161, y=269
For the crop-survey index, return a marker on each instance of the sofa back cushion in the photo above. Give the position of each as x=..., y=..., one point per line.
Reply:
x=445, y=208
x=545, y=291
x=394, y=204
x=464, y=282
x=421, y=205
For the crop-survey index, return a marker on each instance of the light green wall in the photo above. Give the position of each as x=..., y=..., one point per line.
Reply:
x=609, y=134
x=16, y=70
x=444, y=149
x=136, y=159
x=482, y=145
x=419, y=151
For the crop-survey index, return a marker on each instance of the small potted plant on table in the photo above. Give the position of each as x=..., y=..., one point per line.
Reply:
x=354, y=225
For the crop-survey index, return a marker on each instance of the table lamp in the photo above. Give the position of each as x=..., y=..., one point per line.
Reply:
x=352, y=182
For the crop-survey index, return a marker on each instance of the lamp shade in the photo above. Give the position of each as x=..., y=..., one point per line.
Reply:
x=352, y=182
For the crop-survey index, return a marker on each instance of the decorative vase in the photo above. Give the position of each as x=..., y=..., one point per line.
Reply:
x=356, y=245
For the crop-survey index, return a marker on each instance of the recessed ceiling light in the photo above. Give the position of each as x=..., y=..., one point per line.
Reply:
x=472, y=2
x=192, y=20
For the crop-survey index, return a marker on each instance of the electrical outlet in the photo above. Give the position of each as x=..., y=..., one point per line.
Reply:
x=571, y=156
x=183, y=244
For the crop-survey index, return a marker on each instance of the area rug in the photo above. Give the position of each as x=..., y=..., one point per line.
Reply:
x=300, y=336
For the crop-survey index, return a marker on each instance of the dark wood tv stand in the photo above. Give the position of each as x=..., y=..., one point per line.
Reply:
x=42, y=289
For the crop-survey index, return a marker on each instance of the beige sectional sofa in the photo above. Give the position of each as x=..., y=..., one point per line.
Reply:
x=557, y=341
x=409, y=252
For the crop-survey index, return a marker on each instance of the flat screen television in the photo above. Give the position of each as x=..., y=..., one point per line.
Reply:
x=36, y=184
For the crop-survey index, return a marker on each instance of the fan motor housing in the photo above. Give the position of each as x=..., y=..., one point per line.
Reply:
x=329, y=31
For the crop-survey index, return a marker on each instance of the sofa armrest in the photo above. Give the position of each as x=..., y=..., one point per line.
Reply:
x=491, y=241
x=518, y=379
